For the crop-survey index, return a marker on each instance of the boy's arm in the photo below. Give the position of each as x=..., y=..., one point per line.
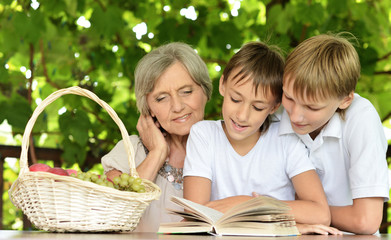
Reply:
x=363, y=217
x=225, y=204
x=197, y=189
x=311, y=206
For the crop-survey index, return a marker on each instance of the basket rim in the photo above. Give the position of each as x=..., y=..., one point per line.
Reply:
x=81, y=92
x=96, y=187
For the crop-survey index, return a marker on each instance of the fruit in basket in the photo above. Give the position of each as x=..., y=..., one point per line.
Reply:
x=124, y=182
x=58, y=171
x=39, y=167
x=71, y=171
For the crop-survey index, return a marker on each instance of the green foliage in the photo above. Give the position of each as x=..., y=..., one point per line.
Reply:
x=44, y=49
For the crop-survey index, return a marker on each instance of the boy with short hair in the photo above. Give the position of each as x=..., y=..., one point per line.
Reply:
x=341, y=130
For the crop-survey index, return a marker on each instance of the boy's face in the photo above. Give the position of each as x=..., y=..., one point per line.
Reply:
x=309, y=116
x=243, y=111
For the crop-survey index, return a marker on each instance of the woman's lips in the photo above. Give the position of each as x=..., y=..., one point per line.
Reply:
x=182, y=118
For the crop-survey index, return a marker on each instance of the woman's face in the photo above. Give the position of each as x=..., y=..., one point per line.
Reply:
x=177, y=101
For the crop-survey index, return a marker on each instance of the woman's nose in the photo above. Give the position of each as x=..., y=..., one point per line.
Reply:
x=177, y=104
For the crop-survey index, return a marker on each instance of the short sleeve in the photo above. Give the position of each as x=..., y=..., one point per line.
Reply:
x=117, y=158
x=367, y=146
x=297, y=157
x=198, y=155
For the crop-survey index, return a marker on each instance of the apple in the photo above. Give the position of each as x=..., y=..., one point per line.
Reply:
x=58, y=171
x=70, y=171
x=39, y=167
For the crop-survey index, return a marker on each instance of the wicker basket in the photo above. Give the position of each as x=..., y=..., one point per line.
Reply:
x=67, y=204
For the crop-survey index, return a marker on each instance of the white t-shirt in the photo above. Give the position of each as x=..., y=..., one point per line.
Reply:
x=267, y=169
x=350, y=155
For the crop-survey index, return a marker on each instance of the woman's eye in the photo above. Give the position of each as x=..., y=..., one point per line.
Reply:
x=159, y=99
x=187, y=92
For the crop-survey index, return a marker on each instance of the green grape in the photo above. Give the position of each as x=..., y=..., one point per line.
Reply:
x=131, y=180
x=142, y=189
x=80, y=176
x=123, y=183
x=136, y=187
x=88, y=176
x=110, y=184
x=125, y=176
x=99, y=181
x=73, y=175
x=94, y=177
x=137, y=180
x=104, y=177
x=116, y=180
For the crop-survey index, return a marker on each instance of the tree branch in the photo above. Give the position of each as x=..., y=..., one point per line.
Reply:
x=29, y=98
x=382, y=72
x=388, y=116
x=101, y=5
x=45, y=71
x=385, y=57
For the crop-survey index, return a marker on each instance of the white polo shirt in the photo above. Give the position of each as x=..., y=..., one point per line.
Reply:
x=349, y=155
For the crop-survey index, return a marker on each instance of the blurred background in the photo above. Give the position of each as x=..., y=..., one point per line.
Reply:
x=47, y=45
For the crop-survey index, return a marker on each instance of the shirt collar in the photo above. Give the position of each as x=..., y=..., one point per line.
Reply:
x=332, y=129
x=285, y=124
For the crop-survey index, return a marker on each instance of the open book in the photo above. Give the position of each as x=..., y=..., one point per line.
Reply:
x=260, y=216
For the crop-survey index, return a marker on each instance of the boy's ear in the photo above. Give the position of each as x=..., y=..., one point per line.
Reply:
x=346, y=101
x=275, y=108
x=221, y=86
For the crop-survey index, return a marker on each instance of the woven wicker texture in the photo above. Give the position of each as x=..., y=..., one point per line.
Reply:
x=67, y=204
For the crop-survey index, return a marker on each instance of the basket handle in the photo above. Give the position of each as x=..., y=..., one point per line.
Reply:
x=82, y=92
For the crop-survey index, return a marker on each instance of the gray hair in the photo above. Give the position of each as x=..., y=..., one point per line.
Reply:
x=155, y=63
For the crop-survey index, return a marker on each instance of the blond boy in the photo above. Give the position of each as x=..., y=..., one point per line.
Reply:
x=341, y=130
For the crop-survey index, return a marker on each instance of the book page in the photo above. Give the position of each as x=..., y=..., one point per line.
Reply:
x=207, y=214
x=259, y=229
x=261, y=205
x=287, y=228
x=188, y=216
x=259, y=218
x=184, y=227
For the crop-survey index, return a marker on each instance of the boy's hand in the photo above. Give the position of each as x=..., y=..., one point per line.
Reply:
x=317, y=229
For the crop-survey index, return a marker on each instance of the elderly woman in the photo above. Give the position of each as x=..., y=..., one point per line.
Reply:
x=172, y=86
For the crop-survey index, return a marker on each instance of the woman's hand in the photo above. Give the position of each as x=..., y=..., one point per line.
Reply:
x=151, y=135
x=317, y=229
x=113, y=173
x=154, y=140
